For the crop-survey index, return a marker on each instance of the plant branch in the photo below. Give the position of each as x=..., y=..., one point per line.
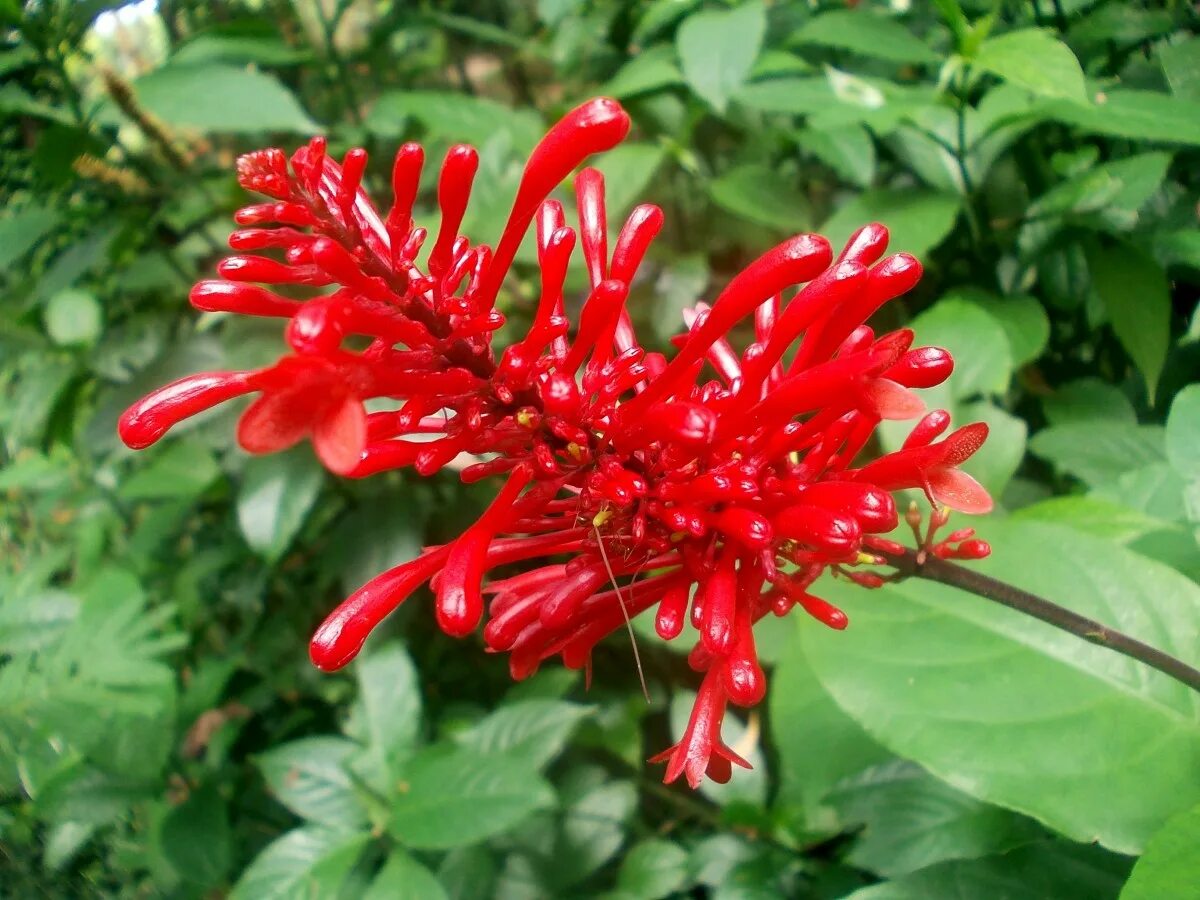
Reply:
x=912, y=564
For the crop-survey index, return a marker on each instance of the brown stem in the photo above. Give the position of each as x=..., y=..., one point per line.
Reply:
x=912, y=564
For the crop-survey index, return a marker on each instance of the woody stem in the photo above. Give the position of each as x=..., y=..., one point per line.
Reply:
x=912, y=564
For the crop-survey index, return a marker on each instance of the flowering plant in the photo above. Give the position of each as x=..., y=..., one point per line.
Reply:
x=631, y=481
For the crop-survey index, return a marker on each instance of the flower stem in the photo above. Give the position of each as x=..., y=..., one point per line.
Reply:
x=912, y=564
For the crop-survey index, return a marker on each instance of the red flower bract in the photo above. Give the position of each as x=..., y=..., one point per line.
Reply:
x=630, y=482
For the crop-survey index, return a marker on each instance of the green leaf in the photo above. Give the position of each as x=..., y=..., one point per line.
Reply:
x=303, y=864
x=1171, y=865
x=1086, y=399
x=1014, y=712
x=1039, y=872
x=595, y=820
x=1096, y=452
x=74, y=317
x=309, y=777
x=532, y=730
x=912, y=820
x=818, y=744
x=1024, y=321
x=196, y=838
x=1035, y=60
x=847, y=149
x=983, y=358
x=1137, y=115
x=375, y=538
x=651, y=70
x=653, y=868
x=403, y=878
x=235, y=46
x=454, y=117
x=1092, y=515
x=628, y=169
x=387, y=714
x=1181, y=65
x=182, y=470
x=22, y=230
x=467, y=873
x=1137, y=296
x=866, y=33
x=717, y=49
x=918, y=219
x=1183, y=432
x=453, y=797
x=659, y=15
x=762, y=195
x=218, y=98
x=275, y=496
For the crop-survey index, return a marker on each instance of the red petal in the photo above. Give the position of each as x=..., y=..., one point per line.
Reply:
x=958, y=490
x=340, y=436
x=275, y=422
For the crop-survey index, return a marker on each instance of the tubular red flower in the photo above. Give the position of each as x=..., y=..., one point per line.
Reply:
x=641, y=484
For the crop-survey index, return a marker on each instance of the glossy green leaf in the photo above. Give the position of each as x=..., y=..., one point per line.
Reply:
x=910, y=820
x=1137, y=297
x=1038, y=872
x=653, y=868
x=219, y=98
x=403, y=878
x=309, y=777
x=1097, y=451
x=1015, y=712
x=759, y=194
x=530, y=730
x=918, y=219
x=452, y=797
x=275, y=497
x=305, y=863
x=717, y=49
x=1171, y=865
x=1035, y=60
x=866, y=33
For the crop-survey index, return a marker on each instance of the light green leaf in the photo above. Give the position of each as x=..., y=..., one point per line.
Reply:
x=912, y=820
x=1137, y=296
x=659, y=15
x=233, y=46
x=309, y=777
x=1039, y=872
x=1171, y=865
x=1183, y=432
x=1092, y=515
x=759, y=194
x=403, y=878
x=1154, y=488
x=303, y=864
x=74, y=317
x=983, y=358
x=717, y=49
x=1035, y=60
x=453, y=797
x=1181, y=65
x=1014, y=712
x=454, y=117
x=651, y=70
x=847, y=149
x=1086, y=399
x=532, y=730
x=1137, y=115
x=197, y=839
x=1024, y=321
x=653, y=868
x=182, y=470
x=221, y=99
x=595, y=821
x=274, y=498
x=918, y=219
x=468, y=872
x=866, y=33
x=387, y=714
x=1096, y=452
x=21, y=231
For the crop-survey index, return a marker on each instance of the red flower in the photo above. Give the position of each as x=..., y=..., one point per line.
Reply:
x=631, y=482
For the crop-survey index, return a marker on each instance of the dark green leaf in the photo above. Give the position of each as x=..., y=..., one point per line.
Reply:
x=717, y=49
x=659, y=15
x=654, y=868
x=197, y=839
x=1137, y=296
x=453, y=797
x=21, y=231
x=866, y=33
x=761, y=195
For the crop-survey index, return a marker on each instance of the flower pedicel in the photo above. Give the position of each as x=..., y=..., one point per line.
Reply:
x=713, y=488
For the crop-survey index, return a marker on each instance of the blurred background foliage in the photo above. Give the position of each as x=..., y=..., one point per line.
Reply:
x=161, y=730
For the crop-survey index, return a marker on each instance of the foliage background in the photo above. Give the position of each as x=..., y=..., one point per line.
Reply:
x=161, y=730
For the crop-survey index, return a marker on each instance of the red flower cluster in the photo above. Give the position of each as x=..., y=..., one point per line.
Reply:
x=637, y=482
